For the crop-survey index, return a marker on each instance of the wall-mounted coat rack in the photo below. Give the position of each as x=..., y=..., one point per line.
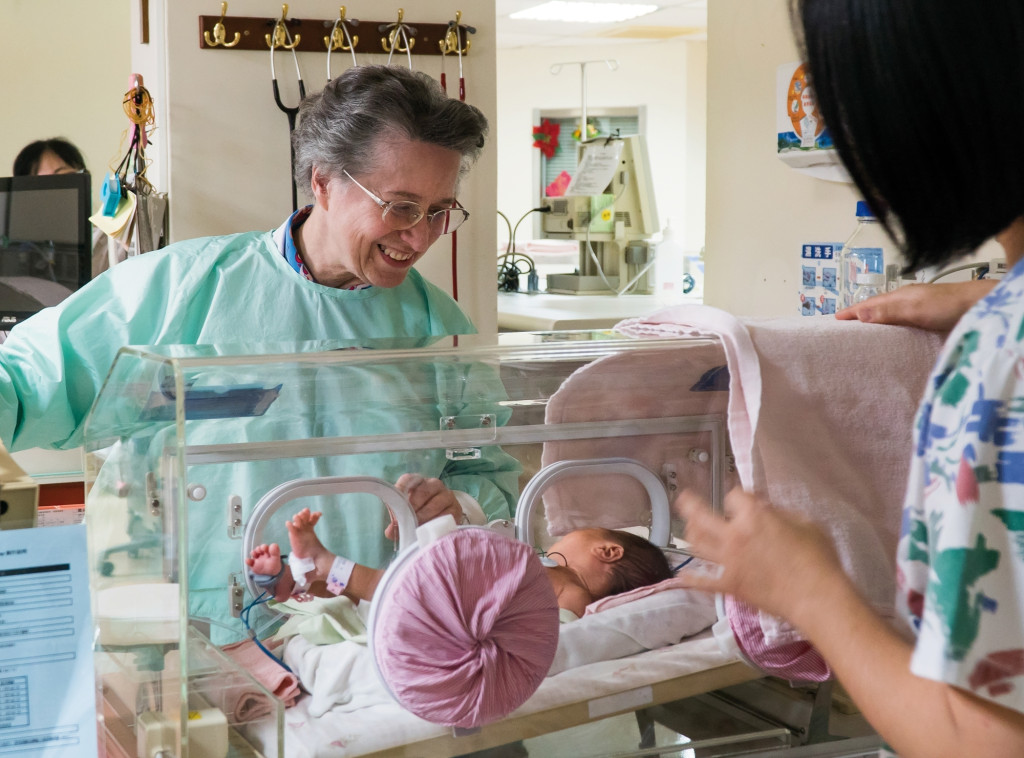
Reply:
x=313, y=34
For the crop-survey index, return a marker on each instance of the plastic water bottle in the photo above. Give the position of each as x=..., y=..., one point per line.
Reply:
x=868, y=285
x=669, y=267
x=867, y=251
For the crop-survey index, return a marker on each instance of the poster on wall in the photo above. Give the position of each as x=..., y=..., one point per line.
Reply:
x=804, y=141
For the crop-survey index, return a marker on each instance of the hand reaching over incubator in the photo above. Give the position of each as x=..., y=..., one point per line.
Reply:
x=935, y=307
x=787, y=566
x=769, y=558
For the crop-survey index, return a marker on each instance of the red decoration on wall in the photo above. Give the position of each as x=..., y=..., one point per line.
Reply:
x=545, y=137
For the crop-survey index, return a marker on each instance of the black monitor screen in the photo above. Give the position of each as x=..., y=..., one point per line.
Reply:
x=45, y=242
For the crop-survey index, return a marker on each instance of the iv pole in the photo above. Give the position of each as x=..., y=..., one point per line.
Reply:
x=556, y=69
x=585, y=245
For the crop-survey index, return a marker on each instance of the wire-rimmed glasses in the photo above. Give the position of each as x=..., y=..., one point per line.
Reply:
x=405, y=214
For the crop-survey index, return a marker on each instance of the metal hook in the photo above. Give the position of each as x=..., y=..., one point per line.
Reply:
x=390, y=43
x=280, y=35
x=220, y=34
x=454, y=37
x=339, y=34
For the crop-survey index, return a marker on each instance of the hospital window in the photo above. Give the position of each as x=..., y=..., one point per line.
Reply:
x=607, y=121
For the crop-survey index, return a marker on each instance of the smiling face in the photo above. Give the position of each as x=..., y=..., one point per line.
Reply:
x=345, y=241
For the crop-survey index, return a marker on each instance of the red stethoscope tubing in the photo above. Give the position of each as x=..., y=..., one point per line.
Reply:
x=462, y=98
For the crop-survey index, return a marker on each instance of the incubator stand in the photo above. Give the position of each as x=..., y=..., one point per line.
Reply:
x=183, y=443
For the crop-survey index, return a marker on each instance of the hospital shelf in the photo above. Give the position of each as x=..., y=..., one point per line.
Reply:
x=522, y=312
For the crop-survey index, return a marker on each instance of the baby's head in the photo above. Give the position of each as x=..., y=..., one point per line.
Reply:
x=642, y=563
x=620, y=560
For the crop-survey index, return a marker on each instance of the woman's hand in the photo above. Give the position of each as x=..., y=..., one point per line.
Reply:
x=774, y=560
x=429, y=498
x=935, y=307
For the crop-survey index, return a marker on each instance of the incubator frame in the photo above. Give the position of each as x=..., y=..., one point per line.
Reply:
x=141, y=491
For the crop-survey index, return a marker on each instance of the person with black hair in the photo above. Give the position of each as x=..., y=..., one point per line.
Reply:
x=55, y=155
x=902, y=86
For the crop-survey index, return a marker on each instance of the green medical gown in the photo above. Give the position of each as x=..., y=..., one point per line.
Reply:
x=238, y=289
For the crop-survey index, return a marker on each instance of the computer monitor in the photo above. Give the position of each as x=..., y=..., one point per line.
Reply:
x=45, y=242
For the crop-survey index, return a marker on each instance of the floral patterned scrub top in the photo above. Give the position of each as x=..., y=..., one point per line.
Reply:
x=960, y=574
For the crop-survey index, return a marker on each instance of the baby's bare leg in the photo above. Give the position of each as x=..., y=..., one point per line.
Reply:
x=331, y=574
x=306, y=545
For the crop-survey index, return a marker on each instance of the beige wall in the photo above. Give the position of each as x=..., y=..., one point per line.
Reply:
x=226, y=159
x=65, y=70
x=759, y=209
x=668, y=78
x=221, y=146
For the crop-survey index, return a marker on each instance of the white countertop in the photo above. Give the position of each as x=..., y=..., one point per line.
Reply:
x=544, y=312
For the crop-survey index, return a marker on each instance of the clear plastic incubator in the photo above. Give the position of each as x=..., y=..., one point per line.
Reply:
x=194, y=455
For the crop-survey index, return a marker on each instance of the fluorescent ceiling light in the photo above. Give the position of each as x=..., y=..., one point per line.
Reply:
x=589, y=13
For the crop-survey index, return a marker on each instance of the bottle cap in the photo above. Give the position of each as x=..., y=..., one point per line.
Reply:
x=871, y=279
x=863, y=210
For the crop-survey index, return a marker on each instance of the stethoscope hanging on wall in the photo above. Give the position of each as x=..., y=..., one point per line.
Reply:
x=452, y=43
x=341, y=40
x=281, y=37
x=398, y=31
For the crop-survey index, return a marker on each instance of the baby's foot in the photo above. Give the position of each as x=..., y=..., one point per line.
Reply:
x=266, y=560
x=306, y=545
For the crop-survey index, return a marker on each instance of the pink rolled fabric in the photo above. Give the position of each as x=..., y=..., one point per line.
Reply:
x=467, y=630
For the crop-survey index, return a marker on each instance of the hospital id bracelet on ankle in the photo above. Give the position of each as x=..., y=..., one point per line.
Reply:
x=339, y=575
x=300, y=567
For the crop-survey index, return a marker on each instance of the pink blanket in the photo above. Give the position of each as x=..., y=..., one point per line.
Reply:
x=820, y=415
x=686, y=380
x=245, y=705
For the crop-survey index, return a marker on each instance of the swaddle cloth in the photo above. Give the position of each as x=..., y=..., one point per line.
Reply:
x=467, y=630
x=688, y=382
x=820, y=418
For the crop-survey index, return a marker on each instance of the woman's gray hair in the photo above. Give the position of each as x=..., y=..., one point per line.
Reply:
x=341, y=126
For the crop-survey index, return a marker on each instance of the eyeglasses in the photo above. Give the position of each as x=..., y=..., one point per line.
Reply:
x=405, y=214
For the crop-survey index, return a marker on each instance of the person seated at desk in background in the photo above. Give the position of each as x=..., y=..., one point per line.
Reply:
x=596, y=563
x=44, y=157
x=56, y=155
x=381, y=150
x=949, y=679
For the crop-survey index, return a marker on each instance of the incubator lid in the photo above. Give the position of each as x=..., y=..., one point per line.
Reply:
x=185, y=388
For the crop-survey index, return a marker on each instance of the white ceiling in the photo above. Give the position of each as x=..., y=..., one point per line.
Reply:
x=684, y=19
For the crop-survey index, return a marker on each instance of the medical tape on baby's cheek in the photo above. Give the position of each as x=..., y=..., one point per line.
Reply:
x=300, y=567
x=340, y=573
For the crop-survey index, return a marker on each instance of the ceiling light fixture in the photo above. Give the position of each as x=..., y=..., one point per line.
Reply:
x=581, y=12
